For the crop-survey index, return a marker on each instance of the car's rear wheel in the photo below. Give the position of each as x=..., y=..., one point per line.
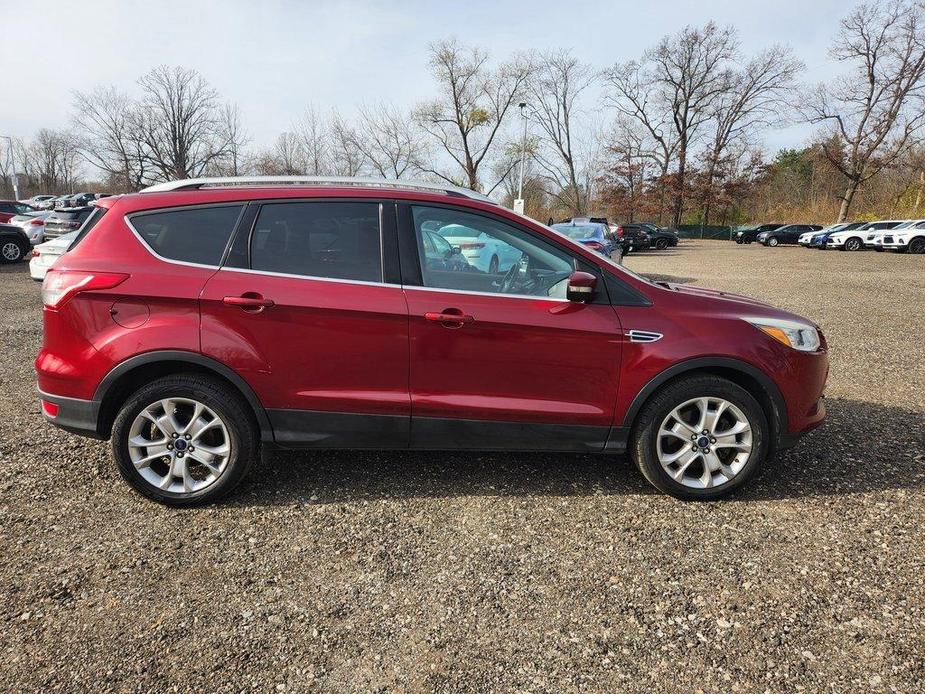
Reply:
x=700, y=438
x=661, y=244
x=184, y=440
x=917, y=246
x=852, y=244
x=12, y=250
x=739, y=241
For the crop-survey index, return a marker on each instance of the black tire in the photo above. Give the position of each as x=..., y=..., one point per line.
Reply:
x=643, y=444
x=227, y=403
x=879, y=249
x=739, y=241
x=13, y=250
x=493, y=265
x=772, y=242
x=917, y=246
x=661, y=244
x=853, y=244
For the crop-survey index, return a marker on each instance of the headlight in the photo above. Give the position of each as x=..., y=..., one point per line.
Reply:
x=800, y=336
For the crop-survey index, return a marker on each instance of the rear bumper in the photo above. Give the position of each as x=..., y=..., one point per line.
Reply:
x=73, y=414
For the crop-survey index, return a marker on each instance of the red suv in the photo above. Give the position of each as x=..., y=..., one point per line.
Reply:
x=195, y=321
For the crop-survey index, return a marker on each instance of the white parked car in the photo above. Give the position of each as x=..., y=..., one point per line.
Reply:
x=33, y=224
x=806, y=239
x=875, y=236
x=853, y=239
x=482, y=251
x=911, y=238
x=38, y=201
x=45, y=254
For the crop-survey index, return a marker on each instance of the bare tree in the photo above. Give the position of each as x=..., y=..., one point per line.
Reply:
x=626, y=179
x=284, y=159
x=389, y=140
x=234, y=138
x=691, y=71
x=876, y=108
x=312, y=132
x=110, y=139
x=635, y=98
x=467, y=117
x=180, y=123
x=753, y=99
x=347, y=157
x=53, y=160
x=555, y=87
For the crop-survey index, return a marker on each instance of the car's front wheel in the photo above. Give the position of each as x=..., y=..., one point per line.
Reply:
x=12, y=251
x=772, y=241
x=700, y=438
x=852, y=244
x=184, y=440
x=661, y=244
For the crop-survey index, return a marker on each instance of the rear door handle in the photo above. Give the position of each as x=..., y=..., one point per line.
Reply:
x=449, y=317
x=249, y=301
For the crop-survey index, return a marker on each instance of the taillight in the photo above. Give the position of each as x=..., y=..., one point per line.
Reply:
x=60, y=285
x=619, y=232
x=37, y=223
x=471, y=246
x=594, y=245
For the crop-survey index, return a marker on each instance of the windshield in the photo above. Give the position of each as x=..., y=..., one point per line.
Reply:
x=576, y=231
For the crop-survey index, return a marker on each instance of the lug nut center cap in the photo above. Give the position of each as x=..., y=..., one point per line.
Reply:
x=180, y=444
x=703, y=442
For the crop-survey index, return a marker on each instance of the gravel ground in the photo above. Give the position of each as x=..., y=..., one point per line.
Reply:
x=395, y=571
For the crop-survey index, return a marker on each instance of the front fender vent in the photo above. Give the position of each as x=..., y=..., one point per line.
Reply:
x=643, y=336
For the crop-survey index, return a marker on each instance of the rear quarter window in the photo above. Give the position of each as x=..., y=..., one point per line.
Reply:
x=197, y=235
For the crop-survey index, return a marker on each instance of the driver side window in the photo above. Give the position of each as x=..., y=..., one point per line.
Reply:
x=469, y=252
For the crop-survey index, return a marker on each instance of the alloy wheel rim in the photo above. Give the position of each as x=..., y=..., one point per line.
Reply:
x=179, y=445
x=11, y=251
x=704, y=442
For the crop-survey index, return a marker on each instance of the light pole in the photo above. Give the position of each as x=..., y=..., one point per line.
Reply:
x=14, y=178
x=519, y=202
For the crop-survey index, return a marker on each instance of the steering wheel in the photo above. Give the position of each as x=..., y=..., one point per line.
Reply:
x=510, y=278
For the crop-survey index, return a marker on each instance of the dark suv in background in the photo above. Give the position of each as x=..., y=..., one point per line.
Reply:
x=749, y=234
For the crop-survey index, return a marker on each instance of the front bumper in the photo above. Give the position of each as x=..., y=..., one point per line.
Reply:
x=72, y=414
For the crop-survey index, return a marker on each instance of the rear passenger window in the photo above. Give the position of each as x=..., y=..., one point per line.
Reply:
x=337, y=240
x=198, y=235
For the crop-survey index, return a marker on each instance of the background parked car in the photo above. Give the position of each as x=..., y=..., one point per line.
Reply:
x=37, y=201
x=853, y=239
x=874, y=238
x=635, y=236
x=661, y=238
x=11, y=208
x=65, y=220
x=14, y=245
x=749, y=234
x=45, y=254
x=789, y=234
x=911, y=239
x=597, y=237
x=806, y=239
x=33, y=224
x=483, y=252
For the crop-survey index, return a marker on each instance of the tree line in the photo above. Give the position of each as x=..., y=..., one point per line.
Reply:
x=674, y=136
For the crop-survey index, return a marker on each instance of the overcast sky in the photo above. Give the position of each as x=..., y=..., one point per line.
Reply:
x=273, y=57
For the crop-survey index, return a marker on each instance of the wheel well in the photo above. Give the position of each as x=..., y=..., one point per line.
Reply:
x=742, y=379
x=126, y=384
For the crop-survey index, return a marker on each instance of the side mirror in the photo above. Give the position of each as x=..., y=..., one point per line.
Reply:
x=581, y=286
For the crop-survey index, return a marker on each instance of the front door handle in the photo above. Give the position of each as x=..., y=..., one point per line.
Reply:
x=449, y=317
x=249, y=301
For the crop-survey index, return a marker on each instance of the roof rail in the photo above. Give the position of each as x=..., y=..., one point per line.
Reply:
x=272, y=181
